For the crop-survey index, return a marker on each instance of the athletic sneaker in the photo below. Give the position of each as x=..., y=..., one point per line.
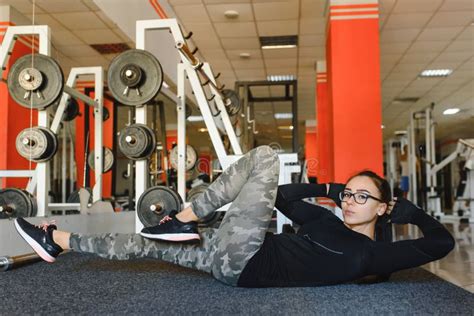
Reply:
x=40, y=238
x=171, y=229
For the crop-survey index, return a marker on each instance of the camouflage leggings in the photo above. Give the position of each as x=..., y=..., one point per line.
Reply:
x=250, y=184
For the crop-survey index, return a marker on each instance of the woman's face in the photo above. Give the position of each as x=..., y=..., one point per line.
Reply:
x=359, y=214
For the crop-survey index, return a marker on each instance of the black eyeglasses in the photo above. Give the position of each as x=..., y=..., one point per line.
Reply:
x=359, y=197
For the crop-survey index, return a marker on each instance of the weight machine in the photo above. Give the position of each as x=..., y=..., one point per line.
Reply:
x=135, y=78
x=37, y=87
x=463, y=149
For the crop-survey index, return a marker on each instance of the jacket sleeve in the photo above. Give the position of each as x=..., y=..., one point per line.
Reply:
x=289, y=202
x=436, y=243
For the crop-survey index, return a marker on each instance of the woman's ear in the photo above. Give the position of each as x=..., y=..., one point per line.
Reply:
x=382, y=209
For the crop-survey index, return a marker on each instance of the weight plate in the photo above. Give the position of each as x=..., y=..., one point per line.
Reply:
x=137, y=141
x=37, y=144
x=16, y=203
x=135, y=77
x=35, y=81
x=191, y=158
x=155, y=203
x=74, y=196
x=34, y=206
x=212, y=218
x=108, y=158
x=231, y=102
x=71, y=111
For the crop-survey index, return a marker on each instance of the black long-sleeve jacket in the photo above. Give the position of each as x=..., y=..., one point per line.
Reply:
x=325, y=251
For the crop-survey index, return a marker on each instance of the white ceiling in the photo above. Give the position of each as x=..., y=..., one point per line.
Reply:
x=414, y=35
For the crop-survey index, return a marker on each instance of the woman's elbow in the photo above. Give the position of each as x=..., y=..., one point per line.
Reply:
x=445, y=245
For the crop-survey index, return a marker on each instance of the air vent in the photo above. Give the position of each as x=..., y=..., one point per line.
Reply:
x=405, y=100
x=113, y=48
x=269, y=42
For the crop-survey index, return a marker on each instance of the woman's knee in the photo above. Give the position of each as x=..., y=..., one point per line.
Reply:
x=266, y=157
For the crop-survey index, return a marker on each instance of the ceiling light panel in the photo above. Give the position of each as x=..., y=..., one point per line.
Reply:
x=436, y=72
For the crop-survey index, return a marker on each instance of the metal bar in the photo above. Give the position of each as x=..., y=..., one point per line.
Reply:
x=141, y=118
x=63, y=166
x=64, y=206
x=8, y=263
x=163, y=138
x=17, y=173
x=76, y=94
x=72, y=170
x=184, y=49
x=98, y=133
x=223, y=112
x=245, y=107
x=446, y=160
x=294, y=110
x=181, y=117
x=412, y=160
x=428, y=155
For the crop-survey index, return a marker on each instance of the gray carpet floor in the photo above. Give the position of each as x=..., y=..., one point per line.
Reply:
x=85, y=284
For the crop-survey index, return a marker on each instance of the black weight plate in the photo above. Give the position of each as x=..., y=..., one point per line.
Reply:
x=108, y=160
x=234, y=107
x=137, y=141
x=155, y=203
x=38, y=144
x=209, y=220
x=34, y=206
x=49, y=88
x=149, y=84
x=71, y=111
x=16, y=203
x=74, y=196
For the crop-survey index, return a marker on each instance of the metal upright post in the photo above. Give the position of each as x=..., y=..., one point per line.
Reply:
x=140, y=118
x=181, y=116
x=63, y=165
x=412, y=160
x=294, y=109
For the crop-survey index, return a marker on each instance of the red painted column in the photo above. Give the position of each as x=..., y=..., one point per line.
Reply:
x=325, y=146
x=13, y=117
x=354, y=85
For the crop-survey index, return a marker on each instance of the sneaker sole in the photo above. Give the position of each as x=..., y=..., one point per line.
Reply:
x=172, y=237
x=35, y=245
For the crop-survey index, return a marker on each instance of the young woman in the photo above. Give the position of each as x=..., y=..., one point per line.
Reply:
x=241, y=252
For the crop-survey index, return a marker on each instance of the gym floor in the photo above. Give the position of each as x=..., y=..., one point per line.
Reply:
x=458, y=266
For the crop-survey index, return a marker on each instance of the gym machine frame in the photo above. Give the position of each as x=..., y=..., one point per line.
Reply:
x=42, y=168
x=40, y=175
x=464, y=148
x=190, y=67
x=433, y=202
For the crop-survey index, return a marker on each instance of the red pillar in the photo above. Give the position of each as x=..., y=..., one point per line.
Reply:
x=13, y=117
x=325, y=172
x=354, y=87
